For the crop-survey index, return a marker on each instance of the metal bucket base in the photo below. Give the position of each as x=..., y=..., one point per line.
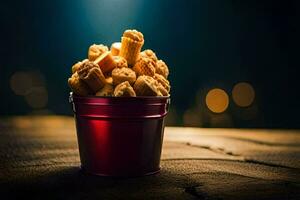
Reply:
x=119, y=176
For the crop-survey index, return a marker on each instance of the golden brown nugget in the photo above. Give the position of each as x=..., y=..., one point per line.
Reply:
x=164, y=82
x=120, y=61
x=148, y=53
x=78, y=86
x=107, y=90
x=105, y=62
x=115, y=48
x=96, y=50
x=109, y=80
x=162, y=90
x=146, y=86
x=144, y=66
x=120, y=75
x=162, y=68
x=78, y=65
x=132, y=42
x=92, y=76
x=124, y=90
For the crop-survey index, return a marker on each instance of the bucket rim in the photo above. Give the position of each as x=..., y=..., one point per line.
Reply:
x=112, y=97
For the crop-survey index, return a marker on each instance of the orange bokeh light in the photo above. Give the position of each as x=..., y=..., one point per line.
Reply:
x=243, y=94
x=20, y=82
x=37, y=97
x=217, y=100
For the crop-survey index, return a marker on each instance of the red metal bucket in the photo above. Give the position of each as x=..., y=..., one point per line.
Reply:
x=120, y=136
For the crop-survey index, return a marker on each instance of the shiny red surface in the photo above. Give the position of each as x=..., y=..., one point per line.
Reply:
x=120, y=136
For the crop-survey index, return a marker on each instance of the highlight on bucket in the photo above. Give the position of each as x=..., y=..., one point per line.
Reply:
x=120, y=97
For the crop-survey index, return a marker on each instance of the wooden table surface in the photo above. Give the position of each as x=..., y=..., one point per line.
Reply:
x=39, y=159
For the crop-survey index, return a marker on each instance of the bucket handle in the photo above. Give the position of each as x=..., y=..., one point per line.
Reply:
x=168, y=104
x=72, y=102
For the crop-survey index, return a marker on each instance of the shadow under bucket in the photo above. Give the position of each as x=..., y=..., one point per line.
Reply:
x=120, y=136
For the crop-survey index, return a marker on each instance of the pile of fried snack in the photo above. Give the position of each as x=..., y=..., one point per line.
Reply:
x=124, y=70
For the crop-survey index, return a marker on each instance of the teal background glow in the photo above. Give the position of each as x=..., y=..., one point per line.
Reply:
x=207, y=44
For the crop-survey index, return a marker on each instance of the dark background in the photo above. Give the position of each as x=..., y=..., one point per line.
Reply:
x=207, y=44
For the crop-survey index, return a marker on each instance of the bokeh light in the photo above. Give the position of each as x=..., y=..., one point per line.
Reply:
x=37, y=78
x=243, y=94
x=31, y=85
x=217, y=100
x=20, y=82
x=37, y=97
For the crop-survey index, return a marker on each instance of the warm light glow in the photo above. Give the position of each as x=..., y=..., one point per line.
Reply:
x=243, y=94
x=217, y=100
x=20, y=82
x=37, y=97
x=31, y=85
